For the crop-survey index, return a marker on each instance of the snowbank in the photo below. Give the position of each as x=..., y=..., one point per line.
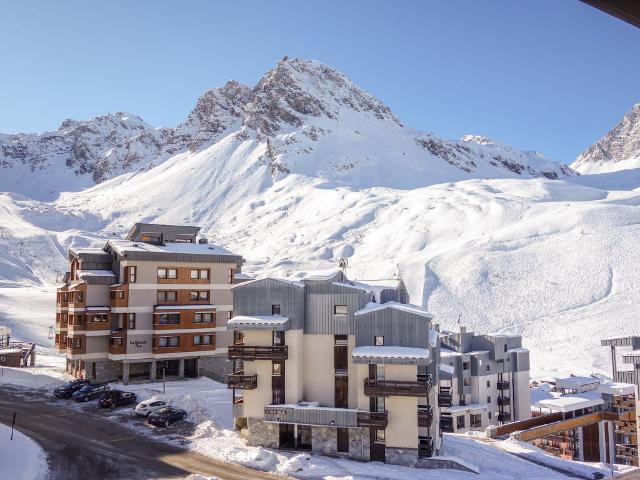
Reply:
x=21, y=458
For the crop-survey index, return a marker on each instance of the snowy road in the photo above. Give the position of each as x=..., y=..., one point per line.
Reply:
x=85, y=445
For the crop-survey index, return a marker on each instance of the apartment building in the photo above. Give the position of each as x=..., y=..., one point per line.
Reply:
x=594, y=419
x=626, y=349
x=154, y=303
x=484, y=380
x=336, y=367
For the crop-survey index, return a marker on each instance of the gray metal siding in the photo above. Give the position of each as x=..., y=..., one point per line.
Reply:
x=397, y=327
x=183, y=257
x=321, y=297
x=519, y=361
x=256, y=299
x=169, y=232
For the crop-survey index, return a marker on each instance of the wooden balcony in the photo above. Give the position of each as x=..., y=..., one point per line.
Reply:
x=425, y=416
x=425, y=447
x=105, y=327
x=446, y=423
x=504, y=417
x=445, y=398
x=373, y=419
x=116, y=346
x=502, y=385
x=253, y=352
x=240, y=381
x=119, y=295
x=503, y=401
x=396, y=388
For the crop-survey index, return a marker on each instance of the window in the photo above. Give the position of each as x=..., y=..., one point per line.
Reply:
x=231, y=275
x=489, y=413
x=168, y=341
x=378, y=341
x=80, y=318
x=116, y=341
x=460, y=422
x=204, y=274
x=78, y=342
x=465, y=365
x=488, y=384
x=199, y=296
x=277, y=338
x=488, y=399
x=194, y=274
x=162, y=273
x=197, y=339
x=229, y=315
x=202, y=317
x=380, y=372
x=275, y=309
x=131, y=321
x=380, y=436
x=79, y=296
x=379, y=404
x=466, y=382
x=120, y=294
x=488, y=368
x=167, y=296
x=172, y=273
x=169, y=318
x=339, y=309
x=276, y=368
x=505, y=347
x=132, y=274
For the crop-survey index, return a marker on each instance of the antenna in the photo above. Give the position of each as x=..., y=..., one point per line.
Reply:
x=343, y=264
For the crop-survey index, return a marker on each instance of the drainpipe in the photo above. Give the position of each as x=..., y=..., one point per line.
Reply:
x=614, y=367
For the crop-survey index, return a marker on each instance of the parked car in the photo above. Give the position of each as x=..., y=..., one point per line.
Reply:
x=69, y=388
x=164, y=416
x=116, y=398
x=90, y=392
x=143, y=409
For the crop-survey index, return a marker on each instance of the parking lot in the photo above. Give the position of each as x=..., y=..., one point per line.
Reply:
x=85, y=441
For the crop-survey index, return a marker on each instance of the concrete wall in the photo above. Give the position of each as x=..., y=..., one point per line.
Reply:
x=319, y=373
x=294, y=367
x=97, y=295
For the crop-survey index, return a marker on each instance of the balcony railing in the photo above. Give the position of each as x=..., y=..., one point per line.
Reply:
x=425, y=416
x=503, y=385
x=445, y=398
x=373, y=419
x=396, y=388
x=502, y=401
x=240, y=381
x=250, y=352
x=446, y=424
x=504, y=417
x=425, y=447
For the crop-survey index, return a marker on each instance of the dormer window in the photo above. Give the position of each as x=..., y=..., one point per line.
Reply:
x=340, y=310
x=275, y=309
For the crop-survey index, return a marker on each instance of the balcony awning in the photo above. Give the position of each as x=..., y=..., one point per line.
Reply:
x=391, y=355
x=267, y=322
x=98, y=309
x=183, y=307
x=473, y=407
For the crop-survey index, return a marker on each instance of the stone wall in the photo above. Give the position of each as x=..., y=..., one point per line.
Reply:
x=106, y=370
x=401, y=456
x=216, y=368
x=262, y=433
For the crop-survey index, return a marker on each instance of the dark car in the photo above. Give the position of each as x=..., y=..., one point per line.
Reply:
x=69, y=388
x=165, y=416
x=115, y=398
x=89, y=392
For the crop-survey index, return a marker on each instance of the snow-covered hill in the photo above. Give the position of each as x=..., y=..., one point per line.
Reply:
x=618, y=150
x=307, y=168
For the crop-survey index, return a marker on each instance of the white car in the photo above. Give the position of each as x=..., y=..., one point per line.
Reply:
x=143, y=409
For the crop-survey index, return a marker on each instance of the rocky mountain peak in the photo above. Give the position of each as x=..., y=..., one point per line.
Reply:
x=619, y=149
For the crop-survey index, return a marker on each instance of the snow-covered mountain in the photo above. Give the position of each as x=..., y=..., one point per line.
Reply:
x=302, y=117
x=306, y=168
x=619, y=149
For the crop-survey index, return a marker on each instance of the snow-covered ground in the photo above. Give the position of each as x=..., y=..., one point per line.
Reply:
x=21, y=458
x=208, y=404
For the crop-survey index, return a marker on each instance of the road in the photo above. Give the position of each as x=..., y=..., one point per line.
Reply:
x=81, y=443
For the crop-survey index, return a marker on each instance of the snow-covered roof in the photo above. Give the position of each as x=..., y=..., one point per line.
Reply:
x=267, y=322
x=631, y=353
x=88, y=250
x=289, y=281
x=183, y=307
x=95, y=273
x=517, y=350
x=101, y=308
x=126, y=246
x=404, y=307
x=376, y=287
x=575, y=382
x=617, y=388
x=390, y=354
x=443, y=367
x=569, y=403
x=319, y=275
x=243, y=276
x=472, y=407
x=10, y=351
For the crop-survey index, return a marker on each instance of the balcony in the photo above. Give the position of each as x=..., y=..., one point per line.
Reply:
x=118, y=342
x=425, y=447
x=503, y=401
x=503, y=385
x=250, y=352
x=396, y=388
x=425, y=416
x=504, y=417
x=310, y=413
x=446, y=423
x=238, y=407
x=445, y=398
x=240, y=381
x=373, y=419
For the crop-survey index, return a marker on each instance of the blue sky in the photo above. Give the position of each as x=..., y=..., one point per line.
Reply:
x=547, y=75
